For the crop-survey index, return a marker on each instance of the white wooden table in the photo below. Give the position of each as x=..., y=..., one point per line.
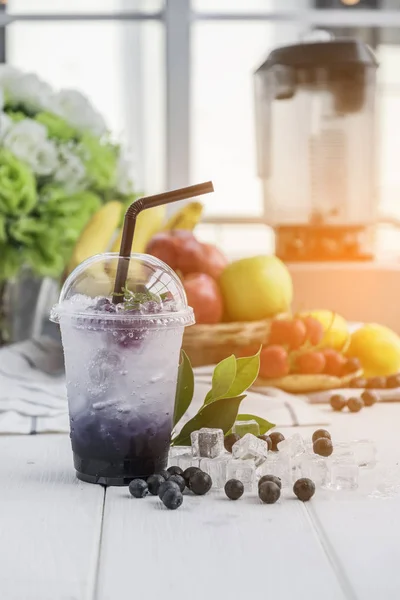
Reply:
x=61, y=539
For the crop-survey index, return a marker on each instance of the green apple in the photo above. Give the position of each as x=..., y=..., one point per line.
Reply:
x=256, y=288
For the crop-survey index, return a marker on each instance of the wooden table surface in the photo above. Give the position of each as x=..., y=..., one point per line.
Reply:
x=61, y=539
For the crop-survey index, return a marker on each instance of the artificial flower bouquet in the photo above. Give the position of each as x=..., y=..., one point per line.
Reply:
x=58, y=165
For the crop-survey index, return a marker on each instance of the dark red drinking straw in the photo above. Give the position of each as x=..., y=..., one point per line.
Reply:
x=130, y=223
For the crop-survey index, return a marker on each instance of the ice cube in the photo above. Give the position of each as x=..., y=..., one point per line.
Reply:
x=243, y=427
x=250, y=446
x=279, y=464
x=184, y=461
x=294, y=445
x=315, y=468
x=364, y=453
x=175, y=452
x=216, y=468
x=244, y=471
x=343, y=475
x=207, y=442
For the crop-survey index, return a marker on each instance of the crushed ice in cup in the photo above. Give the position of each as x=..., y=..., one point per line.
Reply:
x=243, y=427
x=250, y=447
x=293, y=446
x=244, y=471
x=207, y=442
x=216, y=469
x=343, y=475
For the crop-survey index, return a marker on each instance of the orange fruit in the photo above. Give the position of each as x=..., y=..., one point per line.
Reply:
x=291, y=332
x=334, y=362
x=314, y=329
x=274, y=362
x=311, y=363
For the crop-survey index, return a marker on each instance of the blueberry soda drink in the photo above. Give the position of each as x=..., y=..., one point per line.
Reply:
x=121, y=364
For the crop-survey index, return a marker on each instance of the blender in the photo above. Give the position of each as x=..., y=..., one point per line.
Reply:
x=315, y=127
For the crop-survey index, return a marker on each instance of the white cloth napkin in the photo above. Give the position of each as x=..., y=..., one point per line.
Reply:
x=33, y=394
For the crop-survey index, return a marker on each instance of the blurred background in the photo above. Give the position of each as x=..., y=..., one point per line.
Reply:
x=174, y=81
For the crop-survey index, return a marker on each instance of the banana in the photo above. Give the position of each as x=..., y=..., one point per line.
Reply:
x=97, y=235
x=148, y=224
x=186, y=218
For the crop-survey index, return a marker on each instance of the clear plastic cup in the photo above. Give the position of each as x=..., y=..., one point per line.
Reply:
x=121, y=365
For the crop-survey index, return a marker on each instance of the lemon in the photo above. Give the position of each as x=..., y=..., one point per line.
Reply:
x=256, y=288
x=378, y=349
x=335, y=327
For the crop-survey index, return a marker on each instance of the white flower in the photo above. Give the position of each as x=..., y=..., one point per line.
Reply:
x=25, y=89
x=71, y=172
x=124, y=182
x=5, y=124
x=76, y=109
x=28, y=141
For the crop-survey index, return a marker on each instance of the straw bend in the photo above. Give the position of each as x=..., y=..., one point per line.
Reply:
x=130, y=222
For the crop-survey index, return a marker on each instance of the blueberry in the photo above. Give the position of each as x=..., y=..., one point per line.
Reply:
x=187, y=473
x=175, y=471
x=267, y=439
x=369, y=397
x=276, y=438
x=166, y=485
x=229, y=440
x=178, y=479
x=269, y=492
x=152, y=307
x=323, y=446
x=200, y=483
x=165, y=474
x=234, y=489
x=304, y=489
x=172, y=498
x=138, y=488
x=101, y=303
x=321, y=433
x=338, y=402
x=110, y=308
x=154, y=482
x=273, y=478
x=355, y=404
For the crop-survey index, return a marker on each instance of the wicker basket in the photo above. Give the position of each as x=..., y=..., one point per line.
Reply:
x=209, y=344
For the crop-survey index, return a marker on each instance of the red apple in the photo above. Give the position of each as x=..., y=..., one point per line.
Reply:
x=214, y=262
x=183, y=252
x=164, y=246
x=204, y=297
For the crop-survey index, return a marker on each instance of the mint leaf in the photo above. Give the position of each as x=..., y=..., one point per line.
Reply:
x=246, y=373
x=222, y=379
x=240, y=372
x=264, y=425
x=218, y=415
x=184, y=387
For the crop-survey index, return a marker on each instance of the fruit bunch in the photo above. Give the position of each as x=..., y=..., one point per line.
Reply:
x=297, y=345
x=199, y=265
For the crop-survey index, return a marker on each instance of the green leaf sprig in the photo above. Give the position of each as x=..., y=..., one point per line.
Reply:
x=231, y=378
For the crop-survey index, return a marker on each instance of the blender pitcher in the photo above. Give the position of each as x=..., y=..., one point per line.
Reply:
x=316, y=148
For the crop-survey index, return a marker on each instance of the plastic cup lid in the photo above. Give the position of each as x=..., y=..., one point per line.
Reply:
x=153, y=297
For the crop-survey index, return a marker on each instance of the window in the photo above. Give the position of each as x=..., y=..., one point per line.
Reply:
x=174, y=79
